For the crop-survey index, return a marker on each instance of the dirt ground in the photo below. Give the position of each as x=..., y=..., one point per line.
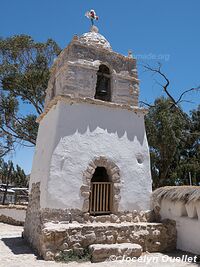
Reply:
x=14, y=252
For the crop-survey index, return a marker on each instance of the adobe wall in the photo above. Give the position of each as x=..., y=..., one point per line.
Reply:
x=13, y=214
x=72, y=136
x=185, y=213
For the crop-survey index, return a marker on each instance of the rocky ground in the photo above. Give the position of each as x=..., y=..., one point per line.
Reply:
x=14, y=252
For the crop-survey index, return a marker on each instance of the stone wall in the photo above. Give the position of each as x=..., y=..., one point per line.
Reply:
x=78, y=216
x=55, y=231
x=12, y=214
x=74, y=238
x=33, y=224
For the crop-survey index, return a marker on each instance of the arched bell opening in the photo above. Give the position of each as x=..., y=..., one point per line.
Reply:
x=101, y=192
x=103, y=85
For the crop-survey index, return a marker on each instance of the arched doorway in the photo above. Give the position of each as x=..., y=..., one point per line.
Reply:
x=113, y=177
x=101, y=193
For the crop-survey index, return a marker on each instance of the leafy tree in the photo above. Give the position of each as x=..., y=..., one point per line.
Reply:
x=174, y=142
x=20, y=178
x=7, y=174
x=172, y=134
x=189, y=158
x=165, y=133
x=11, y=176
x=24, y=74
x=195, y=148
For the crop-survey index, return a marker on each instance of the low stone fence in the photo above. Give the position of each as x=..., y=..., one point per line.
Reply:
x=182, y=204
x=13, y=214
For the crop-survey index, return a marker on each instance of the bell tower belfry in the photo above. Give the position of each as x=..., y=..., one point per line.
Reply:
x=88, y=68
x=92, y=157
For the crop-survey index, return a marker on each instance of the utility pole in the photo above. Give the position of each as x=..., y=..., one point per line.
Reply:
x=190, y=178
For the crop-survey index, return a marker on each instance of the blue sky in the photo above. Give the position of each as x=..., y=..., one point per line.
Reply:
x=165, y=31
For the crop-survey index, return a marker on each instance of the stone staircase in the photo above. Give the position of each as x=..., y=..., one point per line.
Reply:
x=103, y=239
x=105, y=252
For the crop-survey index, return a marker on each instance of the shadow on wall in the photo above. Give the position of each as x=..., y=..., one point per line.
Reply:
x=83, y=117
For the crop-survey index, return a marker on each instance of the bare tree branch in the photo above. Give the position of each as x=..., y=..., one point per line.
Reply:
x=146, y=104
x=167, y=82
x=187, y=91
x=165, y=86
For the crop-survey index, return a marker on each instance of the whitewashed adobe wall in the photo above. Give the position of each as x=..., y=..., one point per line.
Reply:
x=71, y=136
x=187, y=217
x=12, y=214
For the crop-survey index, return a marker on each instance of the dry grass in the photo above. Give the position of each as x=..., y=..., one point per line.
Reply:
x=175, y=193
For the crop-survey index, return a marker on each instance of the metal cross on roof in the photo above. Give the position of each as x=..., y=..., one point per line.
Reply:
x=91, y=15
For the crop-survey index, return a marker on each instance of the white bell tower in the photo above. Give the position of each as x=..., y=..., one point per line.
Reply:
x=92, y=157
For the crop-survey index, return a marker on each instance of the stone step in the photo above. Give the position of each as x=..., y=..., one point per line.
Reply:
x=106, y=252
x=152, y=237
